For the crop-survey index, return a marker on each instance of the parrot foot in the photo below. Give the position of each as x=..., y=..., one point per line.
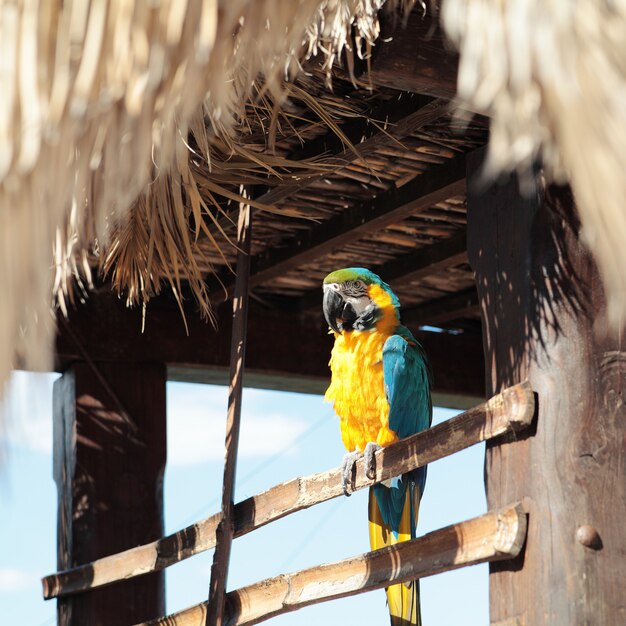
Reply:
x=348, y=473
x=370, y=459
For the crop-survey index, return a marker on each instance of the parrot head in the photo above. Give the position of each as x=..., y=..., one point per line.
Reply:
x=355, y=299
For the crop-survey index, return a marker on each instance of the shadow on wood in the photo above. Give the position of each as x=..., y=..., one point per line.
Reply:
x=543, y=309
x=109, y=458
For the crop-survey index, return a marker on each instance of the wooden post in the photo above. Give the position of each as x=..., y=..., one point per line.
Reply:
x=109, y=457
x=226, y=527
x=542, y=307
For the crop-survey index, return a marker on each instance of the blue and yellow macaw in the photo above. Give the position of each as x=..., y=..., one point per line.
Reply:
x=380, y=389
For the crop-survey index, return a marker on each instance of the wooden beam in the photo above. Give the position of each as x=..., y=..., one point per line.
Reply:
x=446, y=309
x=495, y=536
x=396, y=129
x=426, y=261
x=261, y=269
x=440, y=183
x=458, y=384
x=543, y=307
x=197, y=352
x=112, y=333
x=109, y=458
x=423, y=262
x=423, y=116
x=510, y=412
x=415, y=57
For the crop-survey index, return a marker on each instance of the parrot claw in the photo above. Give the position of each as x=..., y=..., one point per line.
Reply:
x=370, y=459
x=348, y=473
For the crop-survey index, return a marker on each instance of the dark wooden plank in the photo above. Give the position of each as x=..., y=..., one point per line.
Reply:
x=273, y=359
x=423, y=262
x=510, y=412
x=495, y=536
x=440, y=183
x=423, y=116
x=543, y=307
x=392, y=134
x=109, y=458
x=395, y=130
x=226, y=526
x=415, y=57
x=452, y=307
x=426, y=261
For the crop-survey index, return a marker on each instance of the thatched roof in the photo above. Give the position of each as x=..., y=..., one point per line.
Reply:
x=552, y=77
x=98, y=101
x=127, y=130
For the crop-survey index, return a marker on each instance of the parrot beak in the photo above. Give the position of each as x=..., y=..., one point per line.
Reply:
x=335, y=308
x=332, y=306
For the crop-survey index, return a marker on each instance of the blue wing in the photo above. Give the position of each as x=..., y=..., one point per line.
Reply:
x=407, y=384
x=407, y=387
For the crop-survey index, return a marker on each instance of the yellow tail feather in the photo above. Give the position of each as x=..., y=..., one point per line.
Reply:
x=403, y=599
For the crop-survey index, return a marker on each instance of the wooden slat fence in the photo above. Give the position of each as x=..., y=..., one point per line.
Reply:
x=494, y=536
x=490, y=537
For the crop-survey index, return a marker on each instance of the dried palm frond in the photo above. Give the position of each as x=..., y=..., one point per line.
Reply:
x=552, y=76
x=98, y=101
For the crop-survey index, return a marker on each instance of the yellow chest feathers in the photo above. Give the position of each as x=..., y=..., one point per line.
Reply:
x=357, y=388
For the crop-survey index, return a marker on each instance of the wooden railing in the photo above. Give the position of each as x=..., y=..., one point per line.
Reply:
x=494, y=536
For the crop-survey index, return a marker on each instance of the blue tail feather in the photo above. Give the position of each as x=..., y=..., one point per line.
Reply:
x=391, y=499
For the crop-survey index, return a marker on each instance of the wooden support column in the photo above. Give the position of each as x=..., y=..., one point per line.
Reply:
x=109, y=458
x=542, y=306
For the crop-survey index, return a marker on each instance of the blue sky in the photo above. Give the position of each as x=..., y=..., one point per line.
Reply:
x=283, y=435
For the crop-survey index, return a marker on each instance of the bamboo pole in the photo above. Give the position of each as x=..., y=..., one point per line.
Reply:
x=511, y=411
x=494, y=536
x=226, y=526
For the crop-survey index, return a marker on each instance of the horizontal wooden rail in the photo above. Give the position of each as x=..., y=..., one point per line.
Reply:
x=492, y=537
x=511, y=410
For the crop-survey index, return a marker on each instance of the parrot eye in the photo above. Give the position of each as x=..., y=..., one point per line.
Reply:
x=354, y=288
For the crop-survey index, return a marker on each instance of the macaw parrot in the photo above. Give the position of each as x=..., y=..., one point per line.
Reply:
x=380, y=389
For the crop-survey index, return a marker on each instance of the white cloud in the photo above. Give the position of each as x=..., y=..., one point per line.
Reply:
x=196, y=427
x=27, y=412
x=13, y=580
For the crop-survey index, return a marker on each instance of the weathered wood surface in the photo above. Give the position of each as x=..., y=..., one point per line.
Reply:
x=264, y=267
x=440, y=183
x=422, y=192
x=109, y=457
x=444, y=309
x=417, y=58
x=425, y=261
x=112, y=333
x=412, y=58
x=491, y=537
x=543, y=310
x=425, y=115
x=226, y=526
x=509, y=412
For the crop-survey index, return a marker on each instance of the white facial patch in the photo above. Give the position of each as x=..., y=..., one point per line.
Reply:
x=359, y=303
